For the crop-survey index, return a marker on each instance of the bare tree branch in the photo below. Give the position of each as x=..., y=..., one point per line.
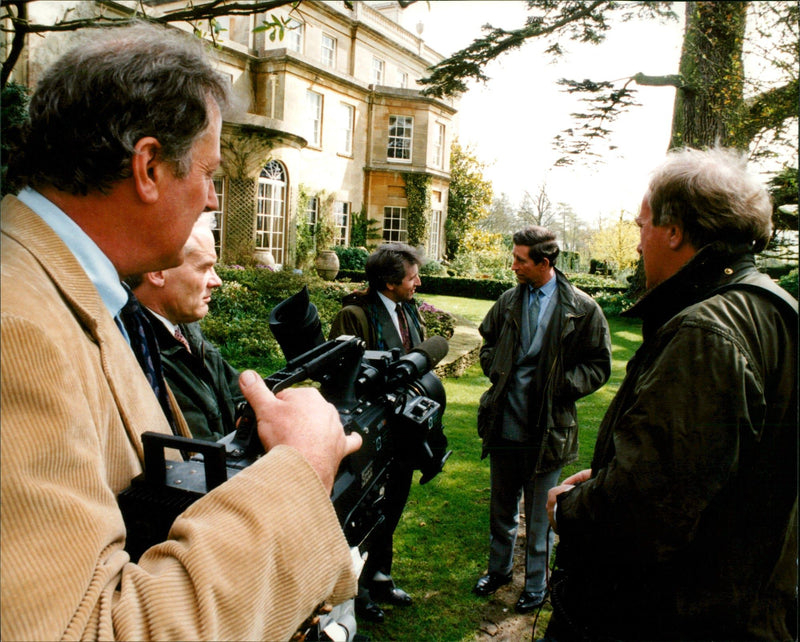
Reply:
x=449, y=76
x=17, y=44
x=16, y=13
x=671, y=80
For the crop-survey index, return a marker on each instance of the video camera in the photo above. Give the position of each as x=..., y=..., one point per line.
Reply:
x=393, y=400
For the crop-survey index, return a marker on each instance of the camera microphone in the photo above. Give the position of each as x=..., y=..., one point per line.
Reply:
x=434, y=348
x=419, y=361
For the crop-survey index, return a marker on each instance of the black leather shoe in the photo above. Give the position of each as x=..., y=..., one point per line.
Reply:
x=527, y=602
x=367, y=610
x=388, y=593
x=488, y=584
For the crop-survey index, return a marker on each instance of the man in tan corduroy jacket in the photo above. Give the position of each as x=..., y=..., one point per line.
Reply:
x=123, y=143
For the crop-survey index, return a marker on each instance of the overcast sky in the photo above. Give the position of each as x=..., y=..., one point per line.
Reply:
x=511, y=121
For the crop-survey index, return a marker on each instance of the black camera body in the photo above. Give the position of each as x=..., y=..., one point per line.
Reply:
x=393, y=400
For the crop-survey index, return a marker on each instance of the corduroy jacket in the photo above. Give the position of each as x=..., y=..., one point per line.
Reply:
x=239, y=563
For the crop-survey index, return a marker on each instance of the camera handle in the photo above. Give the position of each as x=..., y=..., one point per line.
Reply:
x=155, y=465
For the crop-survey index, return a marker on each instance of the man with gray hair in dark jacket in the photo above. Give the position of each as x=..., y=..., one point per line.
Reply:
x=205, y=386
x=546, y=345
x=685, y=527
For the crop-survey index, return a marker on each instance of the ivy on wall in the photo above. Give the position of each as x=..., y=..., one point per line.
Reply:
x=365, y=229
x=325, y=231
x=308, y=242
x=358, y=232
x=304, y=244
x=246, y=151
x=418, y=194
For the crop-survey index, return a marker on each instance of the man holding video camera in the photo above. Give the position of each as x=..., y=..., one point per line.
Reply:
x=685, y=528
x=385, y=316
x=123, y=141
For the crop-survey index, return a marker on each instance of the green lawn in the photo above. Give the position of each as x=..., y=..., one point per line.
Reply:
x=471, y=309
x=442, y=541
x=441, y=545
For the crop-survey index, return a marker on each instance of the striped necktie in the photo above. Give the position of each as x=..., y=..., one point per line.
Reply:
x=403, y=323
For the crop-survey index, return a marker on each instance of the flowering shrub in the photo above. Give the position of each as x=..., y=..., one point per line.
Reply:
x=613, y=304
x=592, y=281
x=351, y=258
x=438, y=322
x=238, y=317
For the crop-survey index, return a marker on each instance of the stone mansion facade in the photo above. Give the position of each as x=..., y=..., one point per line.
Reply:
x=328, y=127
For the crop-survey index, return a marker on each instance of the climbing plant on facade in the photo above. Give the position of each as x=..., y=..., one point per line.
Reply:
x=304, y=239
x=418, y=195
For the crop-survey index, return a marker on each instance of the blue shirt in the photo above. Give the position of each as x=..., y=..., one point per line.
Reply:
x=98, y=267
x=547, y=290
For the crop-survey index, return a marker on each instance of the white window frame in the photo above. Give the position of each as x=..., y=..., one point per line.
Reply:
x=395, y=224
x=328, y=51
x=348, y=115
x=378, y=68
x=314, y=102
x=404, y=80
x=341, y=223
x=271, y=210
x=295, y=35
x=220, y=185
x=312, y=217
x=401, y=139
x=438, y=146
x=434, y=238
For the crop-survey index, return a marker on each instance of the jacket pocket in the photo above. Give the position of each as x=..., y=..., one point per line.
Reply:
x=485, y=414
x=560, y=446
x=563, y=412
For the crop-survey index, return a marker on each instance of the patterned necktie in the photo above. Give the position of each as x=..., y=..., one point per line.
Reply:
x=145, y=346
x=179, y=336
x=404, y=335
x=533, y=310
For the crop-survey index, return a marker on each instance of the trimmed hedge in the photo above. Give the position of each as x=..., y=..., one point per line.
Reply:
x=777, y=271
x=489, y=289
x=238, y=318
x=789, y=282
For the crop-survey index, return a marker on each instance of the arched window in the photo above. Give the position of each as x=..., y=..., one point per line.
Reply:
x=271, y=210
x=219, y=215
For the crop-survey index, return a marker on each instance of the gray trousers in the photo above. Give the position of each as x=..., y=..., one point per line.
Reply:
x=511, y=480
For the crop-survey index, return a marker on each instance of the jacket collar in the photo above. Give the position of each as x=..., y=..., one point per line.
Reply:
x=27, y=228
x=707, y=271
x=368, y=296
x=566, y=294
x=138, y=407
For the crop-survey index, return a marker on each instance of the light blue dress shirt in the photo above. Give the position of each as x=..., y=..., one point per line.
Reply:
x=547, y=290
x=98, y=267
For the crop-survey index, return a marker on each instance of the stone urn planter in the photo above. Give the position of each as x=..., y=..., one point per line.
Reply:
x=327, y=264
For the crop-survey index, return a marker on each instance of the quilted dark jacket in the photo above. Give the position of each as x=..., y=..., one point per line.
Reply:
x=205, y=386
x=687, y=528
x=575, y=361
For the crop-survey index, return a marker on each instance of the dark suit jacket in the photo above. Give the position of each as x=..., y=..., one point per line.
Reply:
x=364, y=315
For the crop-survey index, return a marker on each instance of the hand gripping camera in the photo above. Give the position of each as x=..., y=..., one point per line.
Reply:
x=393, y=400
